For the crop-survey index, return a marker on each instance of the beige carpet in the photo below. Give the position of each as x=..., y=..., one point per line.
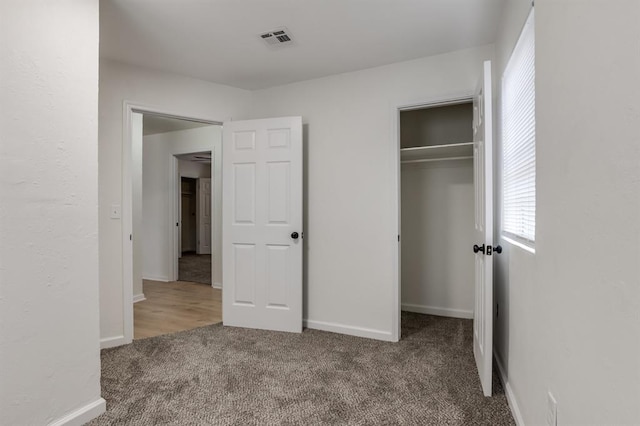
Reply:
x=195, y=268
x=232, y=376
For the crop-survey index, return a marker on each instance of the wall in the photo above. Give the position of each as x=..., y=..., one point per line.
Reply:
x=437, y=218
x=436, y=126
x=194, y=169
x=49, y=332
x=570, y=313
x=161, y=91
x=351, y=196
x=158, y=202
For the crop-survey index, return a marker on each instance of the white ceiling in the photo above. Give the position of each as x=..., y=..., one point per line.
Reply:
x=197, y=157
x=154, y=124
x=218, y=40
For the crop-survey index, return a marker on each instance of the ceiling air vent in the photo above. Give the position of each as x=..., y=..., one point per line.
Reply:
x=280, y=37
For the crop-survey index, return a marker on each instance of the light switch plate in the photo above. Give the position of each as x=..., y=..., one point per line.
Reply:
x=115, y=211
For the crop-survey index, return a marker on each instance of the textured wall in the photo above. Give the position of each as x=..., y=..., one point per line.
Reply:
x=49, y=335
x=570, y=313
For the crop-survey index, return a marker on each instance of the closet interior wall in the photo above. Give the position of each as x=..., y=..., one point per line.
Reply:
x=437, y=210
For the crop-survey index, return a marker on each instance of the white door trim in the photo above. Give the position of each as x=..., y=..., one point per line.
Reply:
x=128, y=109
x=395, y=168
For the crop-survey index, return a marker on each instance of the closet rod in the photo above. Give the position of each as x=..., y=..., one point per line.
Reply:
x=428, y=160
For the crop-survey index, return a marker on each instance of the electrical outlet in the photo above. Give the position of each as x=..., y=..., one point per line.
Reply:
x=552, y=410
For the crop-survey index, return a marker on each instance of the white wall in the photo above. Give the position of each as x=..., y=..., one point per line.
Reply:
x=158, y=197
x=193, y=169
x=49, y=332
x=570, y=313
x=350, y=202
x=171, y=94
x=438, y=223
x=436, y=126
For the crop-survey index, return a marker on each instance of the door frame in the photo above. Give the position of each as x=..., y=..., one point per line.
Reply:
x=128, y=109
x=176, y=196
x=396, y=168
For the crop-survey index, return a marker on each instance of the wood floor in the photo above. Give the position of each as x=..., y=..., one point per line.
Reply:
x=175, y=306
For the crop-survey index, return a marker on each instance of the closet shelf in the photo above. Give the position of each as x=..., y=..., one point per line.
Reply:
x=437, y=152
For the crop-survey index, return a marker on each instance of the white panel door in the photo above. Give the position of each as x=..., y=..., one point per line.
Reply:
x=204, y=215
x=262, y=224
x=483, y=248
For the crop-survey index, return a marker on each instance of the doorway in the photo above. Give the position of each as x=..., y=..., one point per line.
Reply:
x=263, y=167
x=164, y=151
x=437, y=206
x=195, y=219
x=444, y=148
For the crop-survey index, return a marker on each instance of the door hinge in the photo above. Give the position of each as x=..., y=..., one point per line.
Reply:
x=130, y=237
x=398, y=237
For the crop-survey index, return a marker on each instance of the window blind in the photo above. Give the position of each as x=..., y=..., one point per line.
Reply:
x=519, y=138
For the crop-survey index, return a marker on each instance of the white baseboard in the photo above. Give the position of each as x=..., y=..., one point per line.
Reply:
x=435, y=310
x=217, y=285
x=349, y=330
x=508, y=390
x=112, y=342
x=82, y=415
x=139, y=298
x=154, y=278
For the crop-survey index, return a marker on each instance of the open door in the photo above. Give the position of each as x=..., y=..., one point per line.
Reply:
x=203, y=201
x=262, y=224
x=483, y=248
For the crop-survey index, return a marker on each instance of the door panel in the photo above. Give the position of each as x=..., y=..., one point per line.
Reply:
x=262, y=208
x=204, y=216
x=483, y=187
x=244, y=274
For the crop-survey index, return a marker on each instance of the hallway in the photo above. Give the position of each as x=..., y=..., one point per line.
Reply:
x=175, y=306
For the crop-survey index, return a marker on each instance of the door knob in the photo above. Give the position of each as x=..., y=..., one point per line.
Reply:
x=294, y=235
x=498, y=249
x=477, y=248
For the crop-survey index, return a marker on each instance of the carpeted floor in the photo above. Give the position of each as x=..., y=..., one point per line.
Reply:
x=233, y=376
x=195, y=268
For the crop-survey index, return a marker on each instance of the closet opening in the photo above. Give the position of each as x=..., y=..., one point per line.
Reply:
x=437, y=207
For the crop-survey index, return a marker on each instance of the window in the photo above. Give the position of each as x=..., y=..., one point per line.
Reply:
x=519, y=140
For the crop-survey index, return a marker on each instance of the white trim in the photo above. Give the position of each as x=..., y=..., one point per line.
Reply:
x=82, y=415
x=349, y=330
x=217, y=285
x=508, y=390
x=112, y=342
x=127, y=224
x=128, y=108
x=435, y=310
x=176, y=231
x=395, y=167
x=139, y=298
x=156, y=278
x=396, y=225
x=517, y=243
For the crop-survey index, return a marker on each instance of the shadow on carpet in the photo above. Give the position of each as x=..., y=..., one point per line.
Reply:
x=217, y=375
